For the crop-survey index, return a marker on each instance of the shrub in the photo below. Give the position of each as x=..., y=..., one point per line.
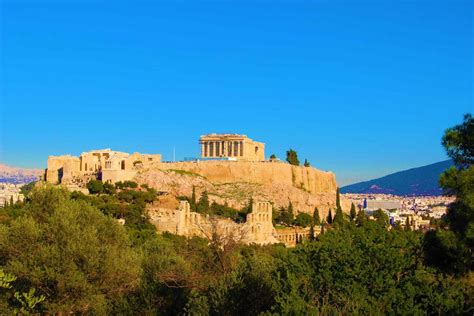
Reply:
x=95, y=186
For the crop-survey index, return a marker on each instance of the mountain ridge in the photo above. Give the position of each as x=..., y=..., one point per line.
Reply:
x=414, y=181
x=9, y=174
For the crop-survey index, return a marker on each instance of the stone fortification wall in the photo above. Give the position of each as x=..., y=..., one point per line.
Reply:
x=258, y=228
x=306, y=178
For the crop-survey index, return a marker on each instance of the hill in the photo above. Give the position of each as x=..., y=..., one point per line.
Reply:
x=233, y=183
x=15, y=175
x=415, y=181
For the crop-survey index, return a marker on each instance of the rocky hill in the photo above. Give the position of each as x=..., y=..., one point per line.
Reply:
x=235, y=182
x=415, y=181
x=10, y=174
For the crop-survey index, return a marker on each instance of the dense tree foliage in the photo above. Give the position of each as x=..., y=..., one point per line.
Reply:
x=292, y=157
x=71, y=251
x=452, y=250
x=303, y=219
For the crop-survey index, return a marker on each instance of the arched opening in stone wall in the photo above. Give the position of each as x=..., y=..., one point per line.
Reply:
x=123, y=165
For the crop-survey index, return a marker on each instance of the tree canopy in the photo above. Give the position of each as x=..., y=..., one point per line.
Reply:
x=292, y=157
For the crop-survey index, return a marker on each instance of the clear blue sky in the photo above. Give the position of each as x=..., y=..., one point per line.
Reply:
x=361, y=88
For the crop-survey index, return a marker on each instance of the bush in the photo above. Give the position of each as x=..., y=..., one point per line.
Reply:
x=303, y=219
x=109, y=188
x=95, y=186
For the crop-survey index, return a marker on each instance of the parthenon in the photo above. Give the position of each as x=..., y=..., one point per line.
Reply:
x=232, y=146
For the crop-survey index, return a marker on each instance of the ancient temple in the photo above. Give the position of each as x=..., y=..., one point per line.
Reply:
x=232, y=146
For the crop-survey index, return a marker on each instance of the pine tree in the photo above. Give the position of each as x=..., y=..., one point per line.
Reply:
x=329, y=217
x=316, y=218
x=353, y=212
x=292, y=157
x=306, y=163
x=11, y=200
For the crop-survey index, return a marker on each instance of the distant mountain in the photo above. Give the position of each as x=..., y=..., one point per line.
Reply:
x=18, y=175
x=416, y=181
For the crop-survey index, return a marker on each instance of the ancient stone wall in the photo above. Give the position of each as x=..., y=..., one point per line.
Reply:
x=306, y=178
x=258, y=228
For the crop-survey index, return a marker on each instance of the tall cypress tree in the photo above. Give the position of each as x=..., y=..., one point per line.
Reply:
x=193, y=200
x=329, y=217
x=316, y=218
x=339, y=217
x=311, y=232
x=338, y=199
x=353, y=212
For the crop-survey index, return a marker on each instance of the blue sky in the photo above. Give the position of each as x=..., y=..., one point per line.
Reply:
x=361, y=88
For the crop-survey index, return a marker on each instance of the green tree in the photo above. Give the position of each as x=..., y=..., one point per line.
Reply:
x=361, y=218
x=95, y=186
x=193, y=202
x=364, y=270
x=287, y=215
x=28, y=301
x=329, y=217
x=292, y=157
x=25, y=190
x=109, y=188
x=312, y=235
x=457, y=181
x=353, y=212
x=381, y=218
x=273, y=156
x=316, y=218
x=203, y=204
x=339, y=217
x=306, y=163
x=303, y=219
x=71, y=253
x=458, y=142
x=11, y=200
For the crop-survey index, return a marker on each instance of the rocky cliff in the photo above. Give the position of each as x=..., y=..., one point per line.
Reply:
x=235, y=182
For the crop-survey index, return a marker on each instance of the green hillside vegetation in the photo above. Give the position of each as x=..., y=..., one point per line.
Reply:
x=66, y=253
